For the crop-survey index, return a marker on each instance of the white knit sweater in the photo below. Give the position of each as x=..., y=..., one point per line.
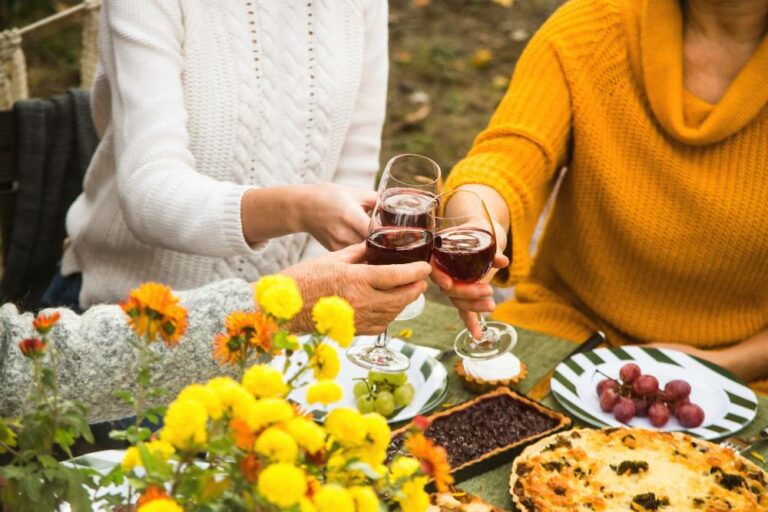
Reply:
x=198, y=100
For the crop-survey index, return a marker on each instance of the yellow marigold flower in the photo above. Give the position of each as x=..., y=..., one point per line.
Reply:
x=306, y=506
x=403, y=467
x=433, y=459
x=277, y=445
x=268, y=411
x=264, y=381
x=131, y=459
x=45, y=322
x=279, y=296
x=206, y=396
x=335, y=318
x=185, y=424
x=151, y=493
x=405, y=333
x=324, y=391
x=377, y=431
x=307, y=434
x=325, y=362
x=154, y=311
x=414, y=498
x=365, y=499
x=161, y=505
x=334, y=498
x=347, y=426
x=282, y=484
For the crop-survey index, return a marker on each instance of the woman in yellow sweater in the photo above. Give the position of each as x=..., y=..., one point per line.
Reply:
x=659, y=233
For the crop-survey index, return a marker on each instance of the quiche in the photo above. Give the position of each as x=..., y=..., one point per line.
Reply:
x=624, y=469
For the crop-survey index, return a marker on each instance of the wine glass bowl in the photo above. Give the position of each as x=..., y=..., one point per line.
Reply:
x=464, y=248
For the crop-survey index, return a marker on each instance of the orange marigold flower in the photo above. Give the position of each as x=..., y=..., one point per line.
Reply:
x=250, y=467
x=255, y=328
x=32, y=347
x=45, y=322
x=154, y=311
x=433, y=459
x=228, y=349
x=151, y=493
x=245, y=438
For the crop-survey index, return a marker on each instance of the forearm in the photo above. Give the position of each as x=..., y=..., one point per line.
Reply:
x=272, y=212
x=748, y=359
x=497, y=208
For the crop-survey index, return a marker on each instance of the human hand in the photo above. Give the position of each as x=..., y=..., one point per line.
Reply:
x=377, y=293
x=473, y=298
x=335, y=215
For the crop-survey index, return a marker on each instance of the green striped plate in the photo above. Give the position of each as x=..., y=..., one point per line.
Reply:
x=728, y=404
x=428, y=376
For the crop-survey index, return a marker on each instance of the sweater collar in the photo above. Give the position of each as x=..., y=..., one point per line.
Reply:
x=661, y=48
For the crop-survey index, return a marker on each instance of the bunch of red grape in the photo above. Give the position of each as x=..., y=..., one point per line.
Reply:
x=635, y=394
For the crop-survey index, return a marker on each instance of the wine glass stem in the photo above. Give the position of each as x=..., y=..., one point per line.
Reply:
x=485, y=334
x=381, y=340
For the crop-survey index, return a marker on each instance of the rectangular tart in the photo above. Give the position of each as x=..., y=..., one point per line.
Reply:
x=486, y=432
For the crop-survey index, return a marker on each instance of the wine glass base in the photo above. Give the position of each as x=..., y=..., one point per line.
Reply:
x=412, y=310
x=379, y=359
x=499, y=339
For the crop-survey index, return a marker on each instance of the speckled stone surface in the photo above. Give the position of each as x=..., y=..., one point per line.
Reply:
x=95, y=355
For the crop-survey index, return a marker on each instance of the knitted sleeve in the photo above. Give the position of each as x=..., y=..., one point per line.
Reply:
x=359, y=159
x=165, y=201
x=524, y=146
x=95, y=356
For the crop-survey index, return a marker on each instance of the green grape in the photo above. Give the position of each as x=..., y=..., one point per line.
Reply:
x=396, y=379
x=385, y=403
x=404, y=395
x=377, y=377
x=364, y=404
x=360, y=389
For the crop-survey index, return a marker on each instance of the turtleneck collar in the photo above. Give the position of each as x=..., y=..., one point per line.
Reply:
x=661, y=54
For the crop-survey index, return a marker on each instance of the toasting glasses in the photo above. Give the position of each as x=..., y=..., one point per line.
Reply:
x=401, y=229
x=464, y=247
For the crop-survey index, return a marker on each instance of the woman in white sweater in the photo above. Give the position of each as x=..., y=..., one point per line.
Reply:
x=222, y=123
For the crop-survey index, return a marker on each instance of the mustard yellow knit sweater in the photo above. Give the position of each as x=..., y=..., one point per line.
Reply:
x=660, y=229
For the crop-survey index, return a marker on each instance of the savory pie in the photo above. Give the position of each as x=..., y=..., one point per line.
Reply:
x=624, y=469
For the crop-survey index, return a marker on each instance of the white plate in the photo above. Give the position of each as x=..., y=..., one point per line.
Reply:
x=728, y=404
x=427, y=375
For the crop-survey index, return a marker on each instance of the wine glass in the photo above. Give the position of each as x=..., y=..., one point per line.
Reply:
x=408, y=187
x=401, y=229
x=464, y=247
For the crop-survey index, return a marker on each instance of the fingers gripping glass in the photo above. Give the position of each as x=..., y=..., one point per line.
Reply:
x=464, y=247
x=401, y=230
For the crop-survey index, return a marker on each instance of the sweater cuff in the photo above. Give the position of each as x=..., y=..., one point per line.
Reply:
x=232, y=223
x=481, y=170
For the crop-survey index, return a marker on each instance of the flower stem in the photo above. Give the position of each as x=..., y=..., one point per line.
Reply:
x=140, y=388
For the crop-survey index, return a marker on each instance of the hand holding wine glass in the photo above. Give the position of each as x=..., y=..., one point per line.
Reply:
x=464, y=251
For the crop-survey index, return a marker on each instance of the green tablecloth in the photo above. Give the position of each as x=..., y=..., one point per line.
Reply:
x=438, y=326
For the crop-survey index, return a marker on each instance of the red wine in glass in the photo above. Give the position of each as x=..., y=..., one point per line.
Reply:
x=407, y=207
x=398, y=245
x=465, y=254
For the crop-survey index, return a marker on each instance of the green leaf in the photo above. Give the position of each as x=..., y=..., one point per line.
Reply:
x=48, y=378
x=124, y=395
x=155, y=466
x=64, y=439
x=47, y=461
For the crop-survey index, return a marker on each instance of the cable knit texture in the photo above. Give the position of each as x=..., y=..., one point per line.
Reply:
x=96, y=358
x=658, y=232
x=198, y=100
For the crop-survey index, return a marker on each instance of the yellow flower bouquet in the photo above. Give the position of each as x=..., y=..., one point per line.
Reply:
x=239, y=444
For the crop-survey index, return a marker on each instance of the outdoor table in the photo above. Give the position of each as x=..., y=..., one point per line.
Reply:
x=438, y=326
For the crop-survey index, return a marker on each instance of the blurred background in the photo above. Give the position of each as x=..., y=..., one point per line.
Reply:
x=451, y=62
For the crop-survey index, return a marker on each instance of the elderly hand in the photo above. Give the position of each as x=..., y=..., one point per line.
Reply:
x=377, y=293
x=473, y=298
x=336, y=215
